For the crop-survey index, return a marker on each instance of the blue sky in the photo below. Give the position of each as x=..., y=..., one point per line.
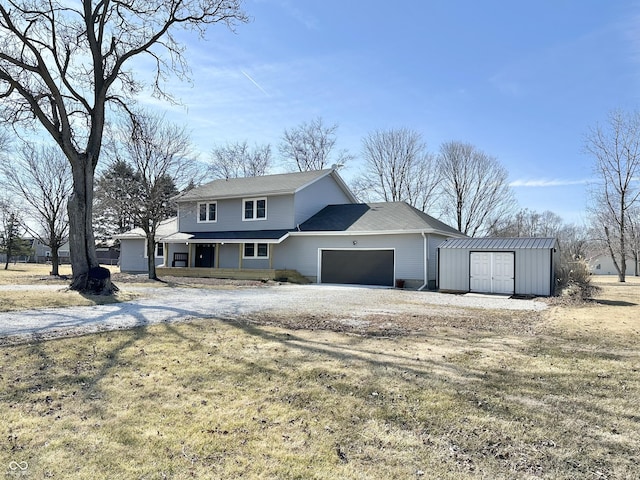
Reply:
x=521, y=80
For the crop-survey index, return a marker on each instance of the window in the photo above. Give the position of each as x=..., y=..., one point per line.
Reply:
x=159, y=250
x=207, y=212
x=255, y=209
x=256, y=250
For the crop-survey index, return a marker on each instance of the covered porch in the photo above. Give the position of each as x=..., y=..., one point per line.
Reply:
x=233, y=255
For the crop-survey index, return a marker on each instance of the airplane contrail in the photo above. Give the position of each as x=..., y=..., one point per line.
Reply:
x=255, y=83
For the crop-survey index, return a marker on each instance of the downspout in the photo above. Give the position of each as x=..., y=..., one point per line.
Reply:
x=426, y=261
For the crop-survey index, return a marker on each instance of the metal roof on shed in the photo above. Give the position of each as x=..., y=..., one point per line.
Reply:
x=521, y=243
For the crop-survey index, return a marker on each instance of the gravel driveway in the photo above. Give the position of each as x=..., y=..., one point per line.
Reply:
x=178, y=304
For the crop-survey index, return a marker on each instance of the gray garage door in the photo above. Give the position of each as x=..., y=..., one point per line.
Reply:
x=360, y=267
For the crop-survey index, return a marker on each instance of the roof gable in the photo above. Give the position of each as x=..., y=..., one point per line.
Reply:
x=165, y=228
x=279, y=184
x=375, y=217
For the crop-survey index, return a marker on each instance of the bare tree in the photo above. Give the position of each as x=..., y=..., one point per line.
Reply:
x=160, y=154
x=63, y=66
x=42, y=178
x=399, y=169
x=633, y=232
x=575, y=241
x=475, y=192
x=237, y=160
x=615, y=149
x=529, y=223
x=309, y=146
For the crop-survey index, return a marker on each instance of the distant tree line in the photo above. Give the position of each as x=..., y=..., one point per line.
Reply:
x=152, y=161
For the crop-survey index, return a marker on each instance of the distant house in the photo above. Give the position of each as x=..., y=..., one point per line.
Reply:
x=309, y=222
x=602, y=264
x=41, y=253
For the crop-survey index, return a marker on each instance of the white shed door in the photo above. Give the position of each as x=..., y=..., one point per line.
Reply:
x=492, y=272
x=480, y=272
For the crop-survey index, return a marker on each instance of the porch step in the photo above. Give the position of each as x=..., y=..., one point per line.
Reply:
x=245, y=274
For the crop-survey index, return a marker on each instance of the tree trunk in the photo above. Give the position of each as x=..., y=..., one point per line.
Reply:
x=151, y=256
x=55, y=260
x=6, y=265
x=82, y=245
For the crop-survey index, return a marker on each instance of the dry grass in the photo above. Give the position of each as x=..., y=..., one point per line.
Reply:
x=48, y=291
x=32, y=274
x=47, y=295
x=15, y=300
x=222, y=399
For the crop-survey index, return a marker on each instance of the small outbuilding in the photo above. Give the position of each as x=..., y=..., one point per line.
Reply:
x=507, y=266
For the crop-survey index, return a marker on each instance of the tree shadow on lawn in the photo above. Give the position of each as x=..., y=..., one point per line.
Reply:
x=577, y=419
x=615, y=303
x=572, y=419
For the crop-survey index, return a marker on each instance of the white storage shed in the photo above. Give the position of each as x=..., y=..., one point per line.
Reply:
x=507, y=266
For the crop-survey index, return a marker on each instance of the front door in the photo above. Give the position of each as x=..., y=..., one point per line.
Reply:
x=205, y=255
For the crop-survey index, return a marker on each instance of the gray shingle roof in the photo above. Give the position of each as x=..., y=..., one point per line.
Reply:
x=165, y=228
x=501, y=243
x=280, y=184
x=375, y=217
x=245, y=235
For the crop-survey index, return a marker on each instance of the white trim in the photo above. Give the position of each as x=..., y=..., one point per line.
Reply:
x=255, y=201
x=208, y=220
x=426, y=261
x=155, y=250
x=373, y=232
x=255, y=251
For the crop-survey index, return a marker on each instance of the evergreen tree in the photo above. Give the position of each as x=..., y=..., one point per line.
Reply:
x=11, y=244
x=115, y=203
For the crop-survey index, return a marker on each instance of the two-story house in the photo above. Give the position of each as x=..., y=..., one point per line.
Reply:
x=309, y=222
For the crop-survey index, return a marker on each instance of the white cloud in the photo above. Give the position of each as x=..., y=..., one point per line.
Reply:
x=544, y=182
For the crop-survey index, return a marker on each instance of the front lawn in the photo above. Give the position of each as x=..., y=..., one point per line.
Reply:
x=223, y=399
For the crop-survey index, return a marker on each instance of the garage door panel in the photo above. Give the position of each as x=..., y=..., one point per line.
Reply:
x=359, y=267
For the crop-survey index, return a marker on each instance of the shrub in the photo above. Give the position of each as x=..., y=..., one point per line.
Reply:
x=573, y=278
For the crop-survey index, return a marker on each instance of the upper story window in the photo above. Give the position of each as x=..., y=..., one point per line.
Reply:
x=254, y=209
x=207, y=212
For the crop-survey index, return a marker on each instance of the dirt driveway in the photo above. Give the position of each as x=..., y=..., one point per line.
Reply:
x=343, y=308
